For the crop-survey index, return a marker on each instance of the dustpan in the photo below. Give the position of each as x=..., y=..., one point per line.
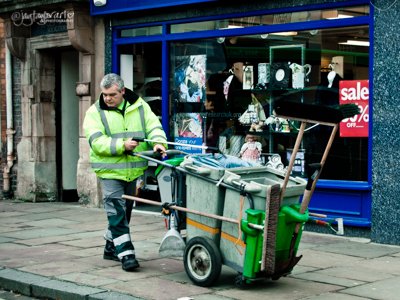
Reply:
x=172, y=244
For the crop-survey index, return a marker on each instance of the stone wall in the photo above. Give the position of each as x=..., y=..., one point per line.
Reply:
x=386, y=124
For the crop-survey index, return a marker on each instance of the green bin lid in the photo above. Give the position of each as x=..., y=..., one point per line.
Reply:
x=176, y=161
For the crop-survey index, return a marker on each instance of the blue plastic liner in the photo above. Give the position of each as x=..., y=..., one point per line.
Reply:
x=222, y=161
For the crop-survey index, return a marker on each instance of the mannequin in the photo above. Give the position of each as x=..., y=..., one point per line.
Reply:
x=331, y=77
x=237, y=98
x=328, y=89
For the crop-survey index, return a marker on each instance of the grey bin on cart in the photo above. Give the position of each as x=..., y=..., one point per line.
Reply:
x=205, y=197
x=255, y=181
x=165, y=181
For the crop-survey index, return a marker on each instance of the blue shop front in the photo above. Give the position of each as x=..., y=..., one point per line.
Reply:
x=212, y=74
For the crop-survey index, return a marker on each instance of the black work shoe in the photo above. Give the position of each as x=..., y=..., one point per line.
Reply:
x=129, y=263
x=110, y=251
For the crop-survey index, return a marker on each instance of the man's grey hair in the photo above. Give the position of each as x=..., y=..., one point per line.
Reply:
x=112, y=79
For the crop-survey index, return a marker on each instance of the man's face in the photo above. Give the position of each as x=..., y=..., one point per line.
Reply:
x=112, y=96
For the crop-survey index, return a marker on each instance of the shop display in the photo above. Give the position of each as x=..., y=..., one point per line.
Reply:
x=274, y=161
x=248, y=77
x=190, y=78
x=263, y=74
x=299, y=75
x=251, y=149
x=254, y=113
x=280, y=75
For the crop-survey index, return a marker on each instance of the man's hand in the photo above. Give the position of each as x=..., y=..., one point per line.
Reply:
x=161, y=149
x=130, y=145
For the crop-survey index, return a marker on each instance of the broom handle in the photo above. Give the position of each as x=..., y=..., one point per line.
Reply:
x=307, y=194
x=292, y=159
x=304, y=204
x=179, y=208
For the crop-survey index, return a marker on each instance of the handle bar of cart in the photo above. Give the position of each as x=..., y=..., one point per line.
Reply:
x=197, y=171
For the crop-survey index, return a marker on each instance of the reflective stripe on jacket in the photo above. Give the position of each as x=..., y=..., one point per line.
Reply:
x=106, y=129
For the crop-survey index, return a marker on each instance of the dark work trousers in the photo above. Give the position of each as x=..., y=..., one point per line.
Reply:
x=118, y=214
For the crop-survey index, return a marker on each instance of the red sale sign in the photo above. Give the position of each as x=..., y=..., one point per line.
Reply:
x=355, y=92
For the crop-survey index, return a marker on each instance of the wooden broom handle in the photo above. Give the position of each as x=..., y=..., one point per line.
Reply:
x=179, y=208
x=306, y=202
x=292, y=159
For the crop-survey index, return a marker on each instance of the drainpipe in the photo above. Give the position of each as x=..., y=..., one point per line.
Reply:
x=7, y=192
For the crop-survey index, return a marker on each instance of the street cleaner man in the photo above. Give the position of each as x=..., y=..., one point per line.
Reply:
x=110, y=124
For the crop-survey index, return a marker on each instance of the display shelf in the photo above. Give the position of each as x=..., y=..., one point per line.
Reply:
x=284, y=82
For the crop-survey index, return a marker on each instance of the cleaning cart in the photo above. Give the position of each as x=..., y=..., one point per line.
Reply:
x=257, y=214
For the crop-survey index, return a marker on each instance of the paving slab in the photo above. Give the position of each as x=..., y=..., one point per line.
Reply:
x=38, y=232
x=320, y=259
x=387, y=264
x=10, y=214
x=383, y=289
x=87, y=279
x=58, y=268
x=89, y=242
x=361, y=273
x=283, y=289
x=210, y=297
x=88, y=252
x=154, y=288
x=45, y=240
x=326, y=278
x=336, y=296
x=358, y=249
x=116, y=271
x=52, y=222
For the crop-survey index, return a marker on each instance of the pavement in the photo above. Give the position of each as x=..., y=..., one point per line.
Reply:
x=55, y=251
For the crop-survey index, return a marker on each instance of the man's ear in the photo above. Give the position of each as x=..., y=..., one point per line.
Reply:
x=123, y=91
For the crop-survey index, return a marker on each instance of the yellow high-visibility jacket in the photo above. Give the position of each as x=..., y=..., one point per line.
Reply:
x=106, y=129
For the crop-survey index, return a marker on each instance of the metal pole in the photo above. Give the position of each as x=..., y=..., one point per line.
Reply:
x=178, y=144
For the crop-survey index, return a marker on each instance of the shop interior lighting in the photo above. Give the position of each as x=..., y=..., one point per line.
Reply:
x=234, y=26
x=341, y=16
x=287, y=33
x=356, y=43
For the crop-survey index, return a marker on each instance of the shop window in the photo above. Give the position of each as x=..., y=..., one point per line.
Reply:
x=140, y=68
x=223, y=88
x=142, y=31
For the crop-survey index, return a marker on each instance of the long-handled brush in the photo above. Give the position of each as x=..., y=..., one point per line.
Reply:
x=310, y=113
x=270, y=227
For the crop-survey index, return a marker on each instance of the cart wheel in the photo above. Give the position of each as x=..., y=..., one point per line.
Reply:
x=202, y=261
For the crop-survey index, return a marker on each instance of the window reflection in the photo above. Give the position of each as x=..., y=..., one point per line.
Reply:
x=244, y=75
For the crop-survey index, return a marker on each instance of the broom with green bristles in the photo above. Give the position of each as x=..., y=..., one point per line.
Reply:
x=308, y=113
